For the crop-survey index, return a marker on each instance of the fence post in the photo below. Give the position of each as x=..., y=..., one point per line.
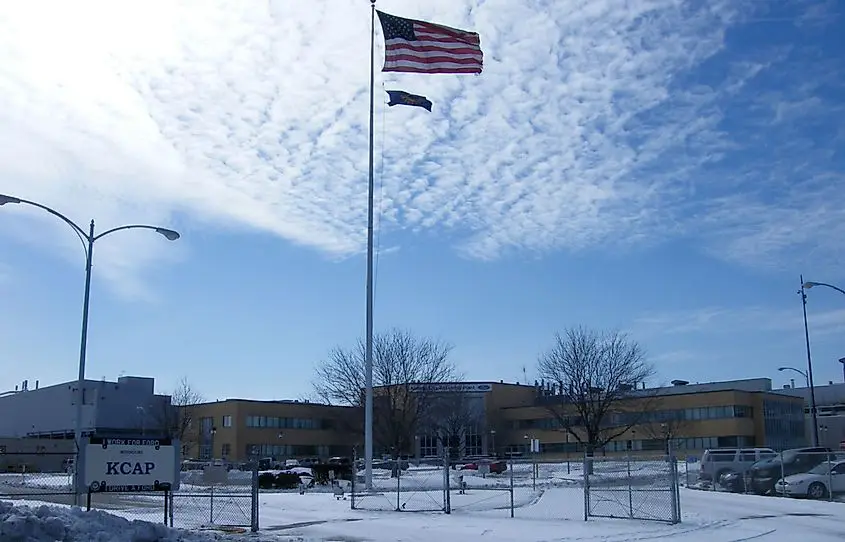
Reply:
x=255, y=501
x=172, y=502
x=398, y=472
x=211, y=507
x=447, y=481
x=510, y=467
x=354, y=476
x=674, y=484
x=166, y=502
x=586, y=475
x=630, y=488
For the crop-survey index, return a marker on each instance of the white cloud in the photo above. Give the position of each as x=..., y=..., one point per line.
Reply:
x=721, y=320
x=582, y=130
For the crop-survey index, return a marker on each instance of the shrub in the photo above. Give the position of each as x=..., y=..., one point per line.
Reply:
x=321, y=472
x=287, y=480
x=266, y=480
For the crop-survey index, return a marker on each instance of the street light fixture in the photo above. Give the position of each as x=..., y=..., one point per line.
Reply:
x=799, y=371
x=88, y=239
x=801, y=292
x=809, y=284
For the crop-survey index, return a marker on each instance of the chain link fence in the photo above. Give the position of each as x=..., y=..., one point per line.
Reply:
x=216, y=497
x=402, y=487
x=213, y=497
x=42, y=476
x=545, y=489
x=482, y=486
x=633, y=488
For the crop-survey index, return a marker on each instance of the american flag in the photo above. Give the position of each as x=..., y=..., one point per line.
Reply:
x=420, y=47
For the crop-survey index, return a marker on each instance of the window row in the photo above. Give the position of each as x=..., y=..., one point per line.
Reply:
x=616, y=419
x=282, y=451
x=277, y=422
x=639, y=445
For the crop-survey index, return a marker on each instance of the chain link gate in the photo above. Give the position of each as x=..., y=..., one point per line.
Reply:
x=632, y=488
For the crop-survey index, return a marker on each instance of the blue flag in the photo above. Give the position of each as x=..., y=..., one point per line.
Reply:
x=400, y=97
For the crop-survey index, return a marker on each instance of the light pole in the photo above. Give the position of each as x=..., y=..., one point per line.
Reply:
x=809, y=358
x=493, y=442
x=799, y=371
x=88, y=239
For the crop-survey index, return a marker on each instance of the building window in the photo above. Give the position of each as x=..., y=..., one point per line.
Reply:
x=472, y=441
x=226, y=450
x=227, y=421
x=428, y=446
x=205, y=452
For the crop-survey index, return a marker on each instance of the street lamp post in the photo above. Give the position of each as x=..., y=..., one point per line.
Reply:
x=88, y=239
x=809, y=358
x=799, y=371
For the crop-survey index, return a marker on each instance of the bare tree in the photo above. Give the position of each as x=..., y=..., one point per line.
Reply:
x=401, y=362
x=449, y=418
x=595, y=376
x=176, y=419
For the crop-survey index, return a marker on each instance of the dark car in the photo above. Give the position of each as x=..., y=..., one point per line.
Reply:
x=763, y=475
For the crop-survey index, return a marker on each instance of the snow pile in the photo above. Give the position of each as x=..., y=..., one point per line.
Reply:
x=53, y=524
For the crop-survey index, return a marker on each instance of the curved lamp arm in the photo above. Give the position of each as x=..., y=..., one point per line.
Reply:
x=170, y=235
x=809, y=284
x=4, y=199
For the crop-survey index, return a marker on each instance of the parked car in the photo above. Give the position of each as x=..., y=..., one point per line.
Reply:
x=496, y=467
x=717, y=463
x=821, y=481
x=763, y=475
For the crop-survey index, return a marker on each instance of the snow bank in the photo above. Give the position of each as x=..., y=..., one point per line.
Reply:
x=52, y=524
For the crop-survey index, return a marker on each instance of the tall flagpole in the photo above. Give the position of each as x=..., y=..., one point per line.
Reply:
x=368, y=363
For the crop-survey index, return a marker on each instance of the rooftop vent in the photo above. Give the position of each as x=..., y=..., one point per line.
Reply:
x=680, y=382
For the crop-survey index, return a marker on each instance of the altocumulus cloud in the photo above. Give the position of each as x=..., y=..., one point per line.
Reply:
x=594, y=122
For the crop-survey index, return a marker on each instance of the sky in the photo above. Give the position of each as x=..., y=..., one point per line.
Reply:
x=660, y=167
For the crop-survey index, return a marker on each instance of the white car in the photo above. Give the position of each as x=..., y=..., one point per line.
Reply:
x=825, y=479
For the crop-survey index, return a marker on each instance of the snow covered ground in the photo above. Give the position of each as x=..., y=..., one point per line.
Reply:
x=554, y=511
x=708, y=517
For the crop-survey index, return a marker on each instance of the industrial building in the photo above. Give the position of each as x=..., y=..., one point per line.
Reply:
x=234, y=428
x=694, y=417
x=690, y=417
x=506, y=418
x=830, y=412
x=129, y=406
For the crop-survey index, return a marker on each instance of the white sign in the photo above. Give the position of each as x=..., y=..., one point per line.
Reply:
x=535, y=446
x=124, y=465
x=452, y=387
